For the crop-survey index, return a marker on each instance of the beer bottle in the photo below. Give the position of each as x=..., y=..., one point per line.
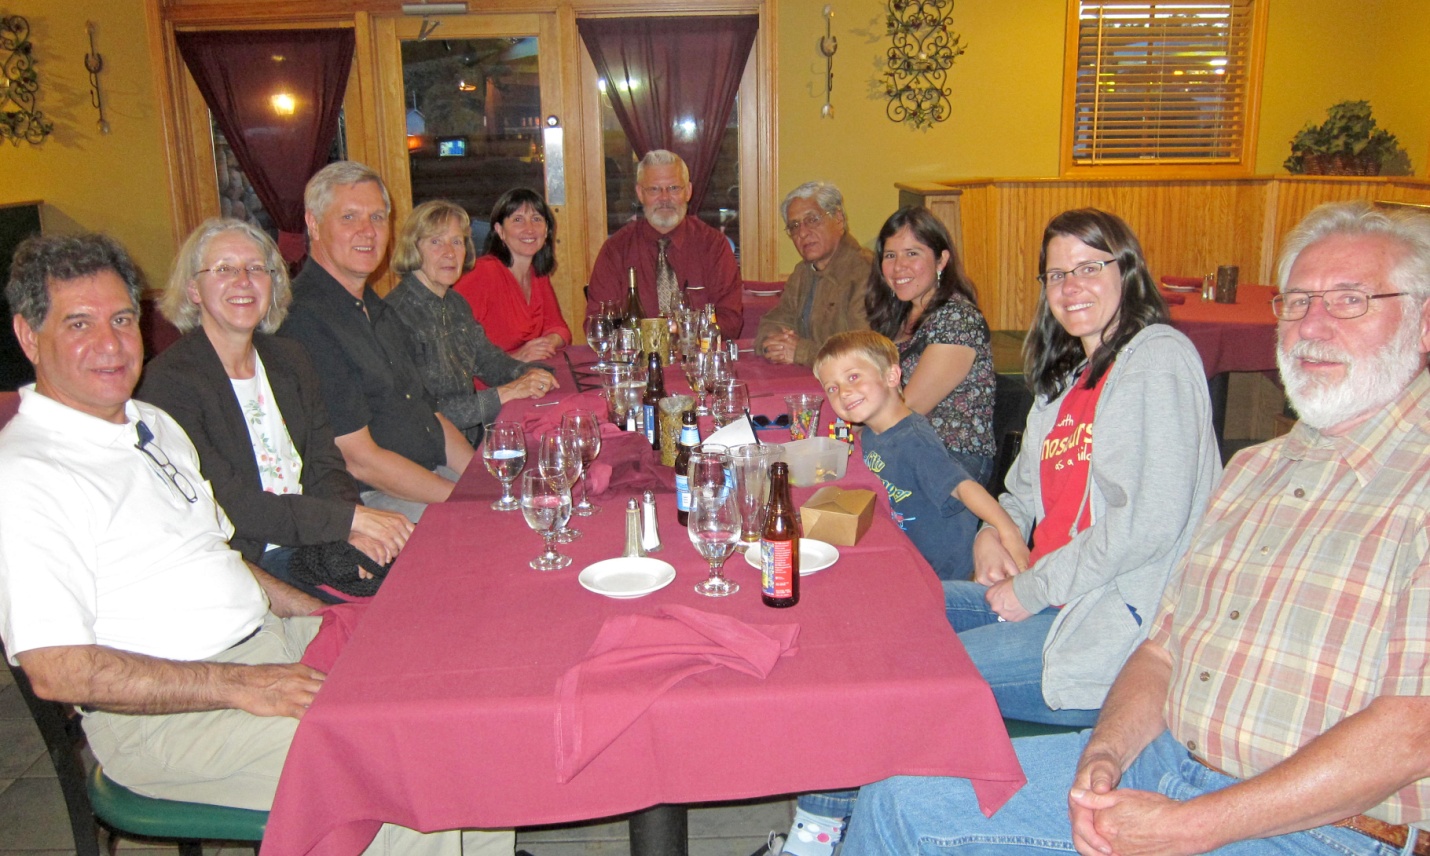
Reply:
x=634, y=312
x=650, y=402
x=689, y=439
x=779, y=544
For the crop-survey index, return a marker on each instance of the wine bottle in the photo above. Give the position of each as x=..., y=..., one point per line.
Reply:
x=650, y=401
x=689, y=439
x=779, y=544
x=634, y=312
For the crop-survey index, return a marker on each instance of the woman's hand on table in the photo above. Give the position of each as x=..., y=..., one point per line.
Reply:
x=373, y=549
x=536, y=383
x=540, y=348
x=1004, y=601
x=992, y=561
x=383, y=533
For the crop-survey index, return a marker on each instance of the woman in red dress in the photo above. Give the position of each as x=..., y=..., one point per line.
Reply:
x=509, y=288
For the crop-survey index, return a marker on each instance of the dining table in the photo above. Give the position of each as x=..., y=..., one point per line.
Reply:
x=1230, y=337
x=476, y=692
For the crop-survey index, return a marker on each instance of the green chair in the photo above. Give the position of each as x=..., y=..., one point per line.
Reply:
x=96, y=797
x=1020, y=728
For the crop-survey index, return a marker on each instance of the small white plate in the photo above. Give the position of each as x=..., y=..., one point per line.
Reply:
x=628, y=576
x=1183, y=289
x=763, y=293
x=813, y=556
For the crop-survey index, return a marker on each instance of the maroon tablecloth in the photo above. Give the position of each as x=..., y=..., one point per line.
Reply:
x=441, y=711
x=1231, y=337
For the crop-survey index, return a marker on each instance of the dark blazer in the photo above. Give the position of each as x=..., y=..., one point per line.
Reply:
x=189, y=382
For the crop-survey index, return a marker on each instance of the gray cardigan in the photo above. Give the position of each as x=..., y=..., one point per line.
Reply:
x=1154, y=464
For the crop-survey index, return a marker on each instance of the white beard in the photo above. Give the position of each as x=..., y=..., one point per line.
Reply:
x=1370, y=383
x=665, y=219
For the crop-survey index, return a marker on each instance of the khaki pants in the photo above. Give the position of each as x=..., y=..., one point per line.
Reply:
x=229, y=757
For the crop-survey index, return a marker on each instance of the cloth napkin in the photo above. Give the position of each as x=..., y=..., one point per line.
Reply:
x=543, y=419
x=339, y=622
x=636, y=658
x=1174, y=299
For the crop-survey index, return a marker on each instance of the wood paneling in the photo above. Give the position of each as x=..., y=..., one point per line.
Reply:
x=1186, y=227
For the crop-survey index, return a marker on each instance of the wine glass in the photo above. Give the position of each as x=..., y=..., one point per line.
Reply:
x=730, y=399
x=694, y=366
x=558, y=457
x=598, y=336
x=546, y=505
x=714, y=530
x=504, y=453
x=588, y=434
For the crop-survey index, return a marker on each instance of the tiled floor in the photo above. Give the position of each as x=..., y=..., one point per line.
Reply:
x=33, y=820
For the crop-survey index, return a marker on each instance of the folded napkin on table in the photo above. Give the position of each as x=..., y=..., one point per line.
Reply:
x=636, y=658
x=539, y=420
x=1174, y=299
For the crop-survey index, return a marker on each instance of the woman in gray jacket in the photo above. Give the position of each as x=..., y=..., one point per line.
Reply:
x=1118, y=460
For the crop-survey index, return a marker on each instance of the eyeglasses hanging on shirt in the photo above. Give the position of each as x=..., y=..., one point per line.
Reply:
x=156, y=455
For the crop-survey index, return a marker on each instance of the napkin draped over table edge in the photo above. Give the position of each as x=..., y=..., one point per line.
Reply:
x=636, y=658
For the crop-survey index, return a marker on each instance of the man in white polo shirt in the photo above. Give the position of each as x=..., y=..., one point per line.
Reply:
x=118, y=590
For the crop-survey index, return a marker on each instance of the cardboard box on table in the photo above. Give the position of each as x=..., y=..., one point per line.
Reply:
x=838, y=516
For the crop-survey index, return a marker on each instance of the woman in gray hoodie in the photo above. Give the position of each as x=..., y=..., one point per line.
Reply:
x=1118, y=460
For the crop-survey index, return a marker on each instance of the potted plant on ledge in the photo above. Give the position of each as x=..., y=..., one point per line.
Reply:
x=1348, y=143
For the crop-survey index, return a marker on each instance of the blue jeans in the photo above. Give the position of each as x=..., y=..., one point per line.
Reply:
x=1009, y=654
x=904, y=815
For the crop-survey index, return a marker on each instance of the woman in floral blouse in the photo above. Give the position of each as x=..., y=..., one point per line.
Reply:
x=250, y=403
x=919, y=297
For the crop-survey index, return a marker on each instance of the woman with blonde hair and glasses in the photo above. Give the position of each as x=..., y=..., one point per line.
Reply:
x=451, y=347
x=250, y=402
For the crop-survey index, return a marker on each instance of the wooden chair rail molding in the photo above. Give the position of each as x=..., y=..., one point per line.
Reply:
x=1187, y=226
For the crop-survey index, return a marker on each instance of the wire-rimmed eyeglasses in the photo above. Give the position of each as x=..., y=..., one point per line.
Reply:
x=155, y=454
x=1082, y=270
x=1340, y=303
x=229, y=273
x=808, y=221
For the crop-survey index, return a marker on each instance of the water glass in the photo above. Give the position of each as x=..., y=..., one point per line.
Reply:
x=714, y=530
x=729, y=400
x=558, y=457
x=546, y=505
x=504, y=453
x=598, y=336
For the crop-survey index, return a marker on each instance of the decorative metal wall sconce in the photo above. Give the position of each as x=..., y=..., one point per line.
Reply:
x=94, y=64
x=19, y=120
x=924, y=48
x=827, y=46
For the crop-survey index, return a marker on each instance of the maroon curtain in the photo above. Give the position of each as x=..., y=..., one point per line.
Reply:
x=687, y=72
x=275, y=95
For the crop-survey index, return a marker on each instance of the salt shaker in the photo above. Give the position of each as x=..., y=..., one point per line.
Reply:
x=633, y=530
x=650, y=534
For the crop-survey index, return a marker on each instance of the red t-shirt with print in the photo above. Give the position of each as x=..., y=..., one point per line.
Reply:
x=1064, y=469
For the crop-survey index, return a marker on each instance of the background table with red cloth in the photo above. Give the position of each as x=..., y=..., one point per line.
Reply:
x=1231, y=337
x=441, y=711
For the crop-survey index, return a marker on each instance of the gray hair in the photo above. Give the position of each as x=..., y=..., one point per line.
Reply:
x=44, y=259
x=184, y=313
x=426, y=220
x=318, y=195
x=662, y=157
x=1410, y=229
x=824, y=194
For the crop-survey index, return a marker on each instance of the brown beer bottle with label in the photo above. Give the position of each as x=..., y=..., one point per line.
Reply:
x=779, y=544
x=650, y=401
x=634, y=311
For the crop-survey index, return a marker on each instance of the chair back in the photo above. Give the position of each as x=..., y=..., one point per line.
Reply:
x=60, y=729
x=1011, y=402
x=9, y=406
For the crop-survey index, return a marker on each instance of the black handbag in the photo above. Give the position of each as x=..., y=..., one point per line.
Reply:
x=336, y=564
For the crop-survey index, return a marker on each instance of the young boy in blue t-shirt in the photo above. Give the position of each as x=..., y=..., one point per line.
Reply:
x=931, y=496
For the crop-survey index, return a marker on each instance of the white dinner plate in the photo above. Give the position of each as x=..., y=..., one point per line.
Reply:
x=763, y=293
x=813, y=556
x=628, y=576
x=1186, y=289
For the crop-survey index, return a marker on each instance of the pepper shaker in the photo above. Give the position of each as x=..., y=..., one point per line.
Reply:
x=650, y=534
x=633, y=530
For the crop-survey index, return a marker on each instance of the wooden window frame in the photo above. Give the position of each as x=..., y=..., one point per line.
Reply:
x=1241, y=165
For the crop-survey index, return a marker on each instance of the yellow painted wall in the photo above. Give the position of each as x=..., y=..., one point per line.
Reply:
x=114, y=183
x=1006, y=102
x=1401, y=103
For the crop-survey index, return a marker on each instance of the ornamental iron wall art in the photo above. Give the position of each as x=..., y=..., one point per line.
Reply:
x=19, y=120
x=924, y=48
